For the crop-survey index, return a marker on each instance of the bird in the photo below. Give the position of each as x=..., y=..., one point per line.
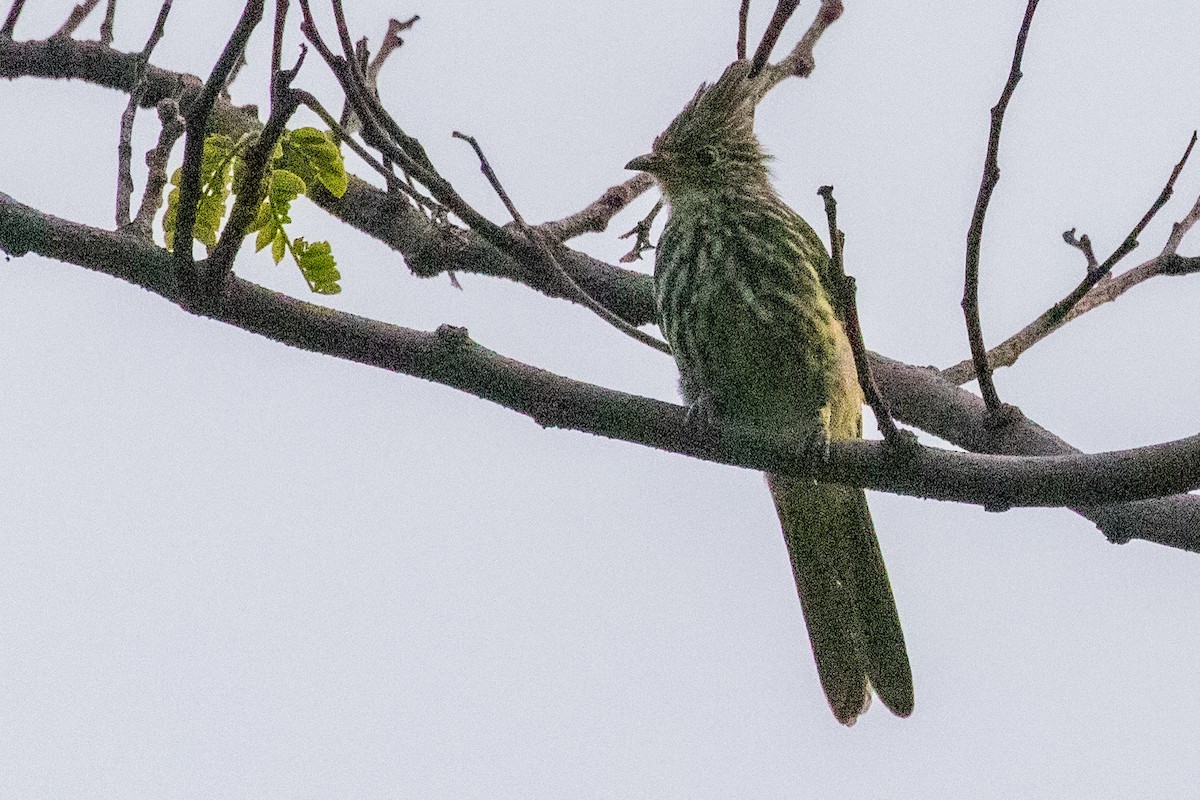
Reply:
x=745, y=292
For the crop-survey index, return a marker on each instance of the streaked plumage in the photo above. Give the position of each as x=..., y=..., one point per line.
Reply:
x=743, y=291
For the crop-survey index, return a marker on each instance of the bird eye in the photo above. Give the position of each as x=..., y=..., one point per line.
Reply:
x=706, y=157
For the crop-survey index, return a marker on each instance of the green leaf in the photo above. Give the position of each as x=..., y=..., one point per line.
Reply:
x=317, y=264
x=313, y=155
x=266, y=227
x=284, y=187
x=216, y=172
x=279, y=245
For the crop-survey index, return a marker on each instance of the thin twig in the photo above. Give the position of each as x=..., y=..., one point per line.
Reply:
x=381, y=132
x=1011, y=349
x=125, y=141
x=783, y=12
x=595, y=217
x=991, y=176
x=801, y=61
x=847, y=299
x=1180, y=229
x=10, y=22
x=281, y=12
x=343, y=29
x=743, y=19
x=106, y=27
x=78, y=15
x=251, y=188
x=391, y=42
x=1084, y=245
x=156, y=164
x=642, y=232
x=369, y=67
x=1100, y=288
x=394, y=183
x=544, y=250
x=1056, y=314
x=193, y=149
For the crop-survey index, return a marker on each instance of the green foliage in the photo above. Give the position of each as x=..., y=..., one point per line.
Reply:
x=300, y=157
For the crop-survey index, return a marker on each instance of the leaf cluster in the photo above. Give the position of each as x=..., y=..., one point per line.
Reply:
x=300, y=157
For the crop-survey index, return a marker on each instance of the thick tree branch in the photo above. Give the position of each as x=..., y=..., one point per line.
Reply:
x=448, y=356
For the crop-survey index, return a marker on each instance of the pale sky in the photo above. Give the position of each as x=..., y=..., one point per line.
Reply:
x=229, y=569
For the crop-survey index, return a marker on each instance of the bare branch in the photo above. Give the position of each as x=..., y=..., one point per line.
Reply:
x=1181, y=228
x=1084, y=245
x=548, y=256
x=801, y=61
x=847, y=304
x=1056, y=314
x=991, y=176
x=106, y=27
x=595, y=217
x=381, y=132
x=392, y=41
x=251, y=189
x=156, y=163
x=783, y=12
x=1102, y=288
x=78, y=15
x=125, y=145
x=10, y=23
x=743, y=17
x=197, y=130
x=642, y=233
x=281, y=12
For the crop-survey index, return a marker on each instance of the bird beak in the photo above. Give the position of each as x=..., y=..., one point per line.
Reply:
x=647, y=163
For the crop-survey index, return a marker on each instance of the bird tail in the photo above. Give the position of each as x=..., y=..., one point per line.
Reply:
x=847, y=599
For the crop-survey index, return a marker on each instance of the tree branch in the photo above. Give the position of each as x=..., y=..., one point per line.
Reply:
x=801, y=61
x=991, y=176
x=125, y=144
x=547, y=256
x=76, y=18
x=595, y=217
x=1096, y=288
x=847, y=302
x=251, y=190
x=156, y=168
x=106, y=27
x=197, y=117
x=448, y=356
x=10, y=22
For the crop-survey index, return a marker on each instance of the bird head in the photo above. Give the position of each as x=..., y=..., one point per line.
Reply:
x=711, y=144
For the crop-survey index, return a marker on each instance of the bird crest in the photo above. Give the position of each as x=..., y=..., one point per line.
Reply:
x=711, y=142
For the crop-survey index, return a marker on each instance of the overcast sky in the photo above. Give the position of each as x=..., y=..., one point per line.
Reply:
x=232, y=569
